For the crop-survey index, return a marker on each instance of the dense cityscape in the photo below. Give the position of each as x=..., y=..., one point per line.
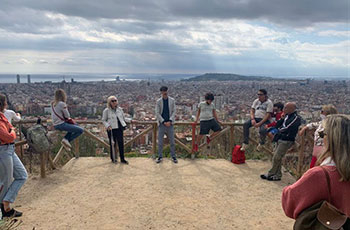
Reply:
x=232, y=98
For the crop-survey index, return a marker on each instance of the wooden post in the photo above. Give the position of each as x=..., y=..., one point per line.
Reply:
x=51, y=161
x=193, y=139
x=76, y=148
x=232, y=141
x=20, y=138
x=154, y=140
x=42, y=164
x=301, y=157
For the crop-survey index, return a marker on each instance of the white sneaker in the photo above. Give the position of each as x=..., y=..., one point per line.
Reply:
x=244, y=146
x=66, y=143
x=259, y=147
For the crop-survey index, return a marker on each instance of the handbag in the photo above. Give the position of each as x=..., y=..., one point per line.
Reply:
x=322, y=215
x=67, y=120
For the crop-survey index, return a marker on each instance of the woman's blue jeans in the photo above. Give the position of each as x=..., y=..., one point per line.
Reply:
x=12, y=173
x=73, y=131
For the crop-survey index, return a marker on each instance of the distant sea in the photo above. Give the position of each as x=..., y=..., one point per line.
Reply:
x=88, y=77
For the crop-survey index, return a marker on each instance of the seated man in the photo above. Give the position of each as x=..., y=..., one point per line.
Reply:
x=287, y=130
x=260, y=114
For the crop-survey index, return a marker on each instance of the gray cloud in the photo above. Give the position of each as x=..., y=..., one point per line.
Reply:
x=294, y=13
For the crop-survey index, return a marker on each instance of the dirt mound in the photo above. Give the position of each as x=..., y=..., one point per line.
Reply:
x=92, y=193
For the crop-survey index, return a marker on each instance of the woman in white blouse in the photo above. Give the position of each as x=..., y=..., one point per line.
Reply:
x=114, y=120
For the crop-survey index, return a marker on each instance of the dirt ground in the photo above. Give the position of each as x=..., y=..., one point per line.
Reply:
x=92, y=193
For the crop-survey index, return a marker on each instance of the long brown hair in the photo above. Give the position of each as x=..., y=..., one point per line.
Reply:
x=3, y=102
x=337, y=144
x=60, y=95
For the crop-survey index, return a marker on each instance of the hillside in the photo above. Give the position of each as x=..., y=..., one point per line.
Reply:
x=226, y=77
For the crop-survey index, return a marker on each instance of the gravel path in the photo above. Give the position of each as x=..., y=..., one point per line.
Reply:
x=92, y=193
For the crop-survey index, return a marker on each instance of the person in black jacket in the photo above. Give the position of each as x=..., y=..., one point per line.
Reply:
x=287, y=130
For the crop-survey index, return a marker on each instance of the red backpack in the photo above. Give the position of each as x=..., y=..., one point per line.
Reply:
x=238, y=156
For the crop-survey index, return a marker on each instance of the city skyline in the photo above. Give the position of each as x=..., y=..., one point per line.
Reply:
x=248, y=37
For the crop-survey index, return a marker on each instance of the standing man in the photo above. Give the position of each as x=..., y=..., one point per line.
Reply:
x=260, y=114
x=165, y=113
x=287, y=130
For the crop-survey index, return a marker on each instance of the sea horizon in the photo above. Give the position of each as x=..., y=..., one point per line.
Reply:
x=96, y=77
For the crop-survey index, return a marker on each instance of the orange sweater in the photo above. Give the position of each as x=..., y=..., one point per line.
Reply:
x=312, y=188
x=7, y=135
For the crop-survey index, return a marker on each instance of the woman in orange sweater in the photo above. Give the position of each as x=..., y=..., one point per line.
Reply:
x=11, y=166
x=312, y=186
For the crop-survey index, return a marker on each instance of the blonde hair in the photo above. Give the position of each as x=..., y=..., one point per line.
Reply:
x=329, y=109
x=3, y=102
x=337, y=144
x=60, y=95
x=109, y=99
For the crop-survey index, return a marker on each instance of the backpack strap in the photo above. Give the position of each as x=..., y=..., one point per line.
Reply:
x=328, y=183
x=53, y=109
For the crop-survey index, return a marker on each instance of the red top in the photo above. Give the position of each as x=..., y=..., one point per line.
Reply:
x=7, y=135
x=312, y=187
x=277, y=116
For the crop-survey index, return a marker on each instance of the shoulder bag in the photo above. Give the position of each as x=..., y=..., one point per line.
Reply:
x=322, y=215
x=67, y=120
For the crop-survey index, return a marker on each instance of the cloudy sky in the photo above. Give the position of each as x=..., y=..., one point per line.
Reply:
x=261, y=37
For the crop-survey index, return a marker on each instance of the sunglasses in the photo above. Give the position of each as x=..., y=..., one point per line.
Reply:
x=113, y=100
x=322, y=134
x=260, y=94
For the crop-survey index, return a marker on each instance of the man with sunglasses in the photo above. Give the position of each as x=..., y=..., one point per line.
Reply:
x=260, y=115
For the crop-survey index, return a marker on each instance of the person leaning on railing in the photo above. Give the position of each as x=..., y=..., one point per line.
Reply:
x=318, y=141
x=10, y=165
x=60, y=116
x=312, y=187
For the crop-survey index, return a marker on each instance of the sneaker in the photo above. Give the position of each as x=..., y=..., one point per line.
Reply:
x=66, y=143
x=244, y=146
x=208, y=139
x=159, y=160
x=175, y=160
x=124, y=162
x=11, y=213
x=264, y=176
x=259, y=147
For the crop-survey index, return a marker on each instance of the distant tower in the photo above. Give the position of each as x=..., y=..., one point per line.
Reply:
x=28, y=78
x=18, y=79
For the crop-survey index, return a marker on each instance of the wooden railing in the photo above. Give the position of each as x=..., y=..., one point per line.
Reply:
x=229, y=128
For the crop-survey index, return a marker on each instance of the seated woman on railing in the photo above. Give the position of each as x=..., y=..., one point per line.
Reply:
x=114, y=120
x=313, y=187
x=318, y=141
x=10, y=165
x=62, y=121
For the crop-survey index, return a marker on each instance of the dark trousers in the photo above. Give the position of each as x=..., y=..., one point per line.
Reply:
x=262, y=131
x=117, y=137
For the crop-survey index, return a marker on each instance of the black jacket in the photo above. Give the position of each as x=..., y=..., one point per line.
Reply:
x=288, y=127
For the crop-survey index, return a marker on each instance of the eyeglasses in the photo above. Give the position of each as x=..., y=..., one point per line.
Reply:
x=260, y=94
x=322, y=134
x=113, y=100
